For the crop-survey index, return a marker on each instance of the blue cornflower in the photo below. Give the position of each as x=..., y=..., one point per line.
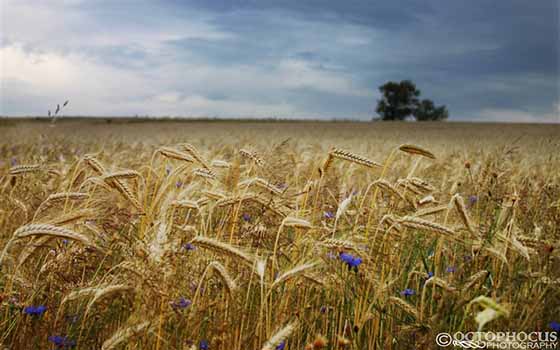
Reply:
x=329, y=214
x=408, y=292
x=35, y=310
x=451, y=269
x=351, y=261
x=182, y=303
x=555, y=326
x=203, y=345
x=189, y=246
x=62, y=342
x=430, y=274
x=246, y=217
x=281, y=346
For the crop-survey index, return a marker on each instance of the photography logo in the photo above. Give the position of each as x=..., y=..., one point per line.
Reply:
x=498, y=340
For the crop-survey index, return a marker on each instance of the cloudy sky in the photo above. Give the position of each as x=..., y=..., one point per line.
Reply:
x=486, y=60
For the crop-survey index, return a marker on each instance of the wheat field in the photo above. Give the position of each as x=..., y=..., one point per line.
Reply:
x=248, y=235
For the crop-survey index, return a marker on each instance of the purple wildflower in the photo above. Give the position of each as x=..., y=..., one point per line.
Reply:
x=62, y=342
x=189, y=246
x=472, y=200
x=451, y=269
x=246, y=217
x=329, y=214
x=323, y=309
x=351, y=261
x=408, y=292
x=203, y=345
x=35, y=310
x=555, y=326
x=182, y=303
x=179, y=184
x=281, y=346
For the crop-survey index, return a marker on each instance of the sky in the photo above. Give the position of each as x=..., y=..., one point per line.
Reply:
x=308, y=59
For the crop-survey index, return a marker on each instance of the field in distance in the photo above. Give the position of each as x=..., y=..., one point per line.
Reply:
x=275, y=235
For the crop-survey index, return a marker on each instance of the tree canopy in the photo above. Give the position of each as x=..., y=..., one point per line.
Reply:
x=401, y=100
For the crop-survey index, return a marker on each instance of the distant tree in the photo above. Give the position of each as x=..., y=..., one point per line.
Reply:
x=427, y=111
x=398, y=100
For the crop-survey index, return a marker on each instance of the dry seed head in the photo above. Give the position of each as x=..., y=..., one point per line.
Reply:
x=224, y=275
x=417, y=223
x=260, y=183
x=94, y=164
x=174, y=154
x=413, y=149
x=252, y=156
x=338, y=244
x=220, y=164
x=190, y=149
x=294, y=272
x=462, y=210
x=123, y=334
x=385, y=185
x=280, y=336
x=296, y=222
x=24, y=169
x=124, y=174
x=354, y=158
x=405, y=306
x=224, y=248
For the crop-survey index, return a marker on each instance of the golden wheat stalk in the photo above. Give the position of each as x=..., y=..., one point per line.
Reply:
x=260, y=182
x=193, y=152
x=224, y=248
x=24, y=169
x=94, y=164
x=51, y=231
x=462, y=210
x=174, y=154
x=421, y=224
x=339, y=244
x=417, y=150
x=217, y=163
x=354, y=158
x=280, y=336
x=60, y=197
x=405, y=306
x=293, y=273
x=431, y=211
x=205, y=173
x=388, y=187
x=252, y=156
x=224, y=275
x=185, y=203
x=124, y=334
x=123, y=174
x=296, y=222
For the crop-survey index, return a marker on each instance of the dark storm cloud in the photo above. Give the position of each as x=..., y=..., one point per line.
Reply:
x=495, y=59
